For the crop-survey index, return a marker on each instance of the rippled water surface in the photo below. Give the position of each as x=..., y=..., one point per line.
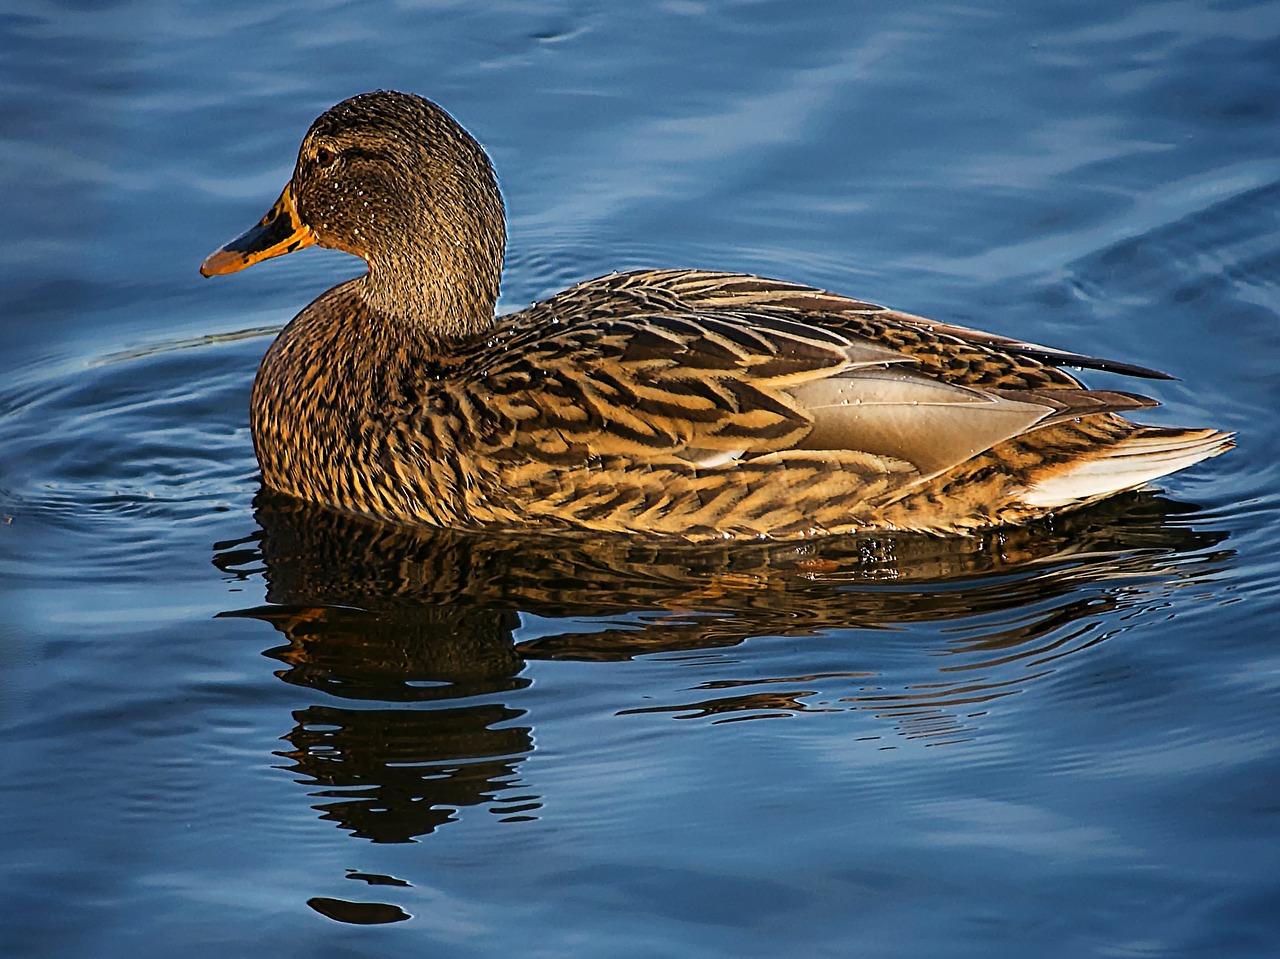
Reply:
x=232, y=725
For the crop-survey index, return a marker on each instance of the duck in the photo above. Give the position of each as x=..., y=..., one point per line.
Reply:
x=681, y=403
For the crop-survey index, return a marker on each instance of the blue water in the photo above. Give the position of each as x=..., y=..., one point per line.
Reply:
x=234, y=725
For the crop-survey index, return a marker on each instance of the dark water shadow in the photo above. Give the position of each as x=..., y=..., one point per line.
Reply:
x=424, y=624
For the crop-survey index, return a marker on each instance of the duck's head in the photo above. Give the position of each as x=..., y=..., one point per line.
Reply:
x=395, y=180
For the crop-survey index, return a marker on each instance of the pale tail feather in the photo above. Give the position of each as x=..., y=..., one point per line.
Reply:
x=1146, y=455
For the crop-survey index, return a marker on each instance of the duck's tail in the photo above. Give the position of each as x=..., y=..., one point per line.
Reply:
x=1147, y=453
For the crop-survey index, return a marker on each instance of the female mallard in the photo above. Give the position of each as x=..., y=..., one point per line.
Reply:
x=676, y=402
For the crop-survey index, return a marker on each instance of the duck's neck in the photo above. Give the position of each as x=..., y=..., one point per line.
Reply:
x=447, y=293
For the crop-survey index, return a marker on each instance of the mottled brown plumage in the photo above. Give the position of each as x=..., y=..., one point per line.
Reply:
x=677, y=402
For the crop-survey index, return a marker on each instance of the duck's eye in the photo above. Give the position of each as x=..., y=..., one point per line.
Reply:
x=325, y=157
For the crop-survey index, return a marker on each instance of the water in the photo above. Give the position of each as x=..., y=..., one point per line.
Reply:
x=233, y=725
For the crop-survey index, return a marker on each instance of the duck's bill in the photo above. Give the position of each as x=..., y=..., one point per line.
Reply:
x=278, y=233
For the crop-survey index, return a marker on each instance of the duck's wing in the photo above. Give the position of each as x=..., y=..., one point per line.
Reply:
x=710, y=385
x=715, y=383
x=957, y=353
x=933, y=424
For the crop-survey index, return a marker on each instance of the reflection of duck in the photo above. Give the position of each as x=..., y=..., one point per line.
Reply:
x=425, y=622
x=394, y=614
x=392, y=774
x=462, y=591
x=680, y=402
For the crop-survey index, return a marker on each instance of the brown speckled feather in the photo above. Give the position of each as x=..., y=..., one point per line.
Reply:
x=684, y=403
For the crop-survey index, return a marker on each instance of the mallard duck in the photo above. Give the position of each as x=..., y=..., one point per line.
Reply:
x=688, y=403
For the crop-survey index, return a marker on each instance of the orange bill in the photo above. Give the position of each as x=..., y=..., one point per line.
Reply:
x=278, y=233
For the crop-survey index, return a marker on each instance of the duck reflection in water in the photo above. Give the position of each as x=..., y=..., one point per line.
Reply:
x=424, y=619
